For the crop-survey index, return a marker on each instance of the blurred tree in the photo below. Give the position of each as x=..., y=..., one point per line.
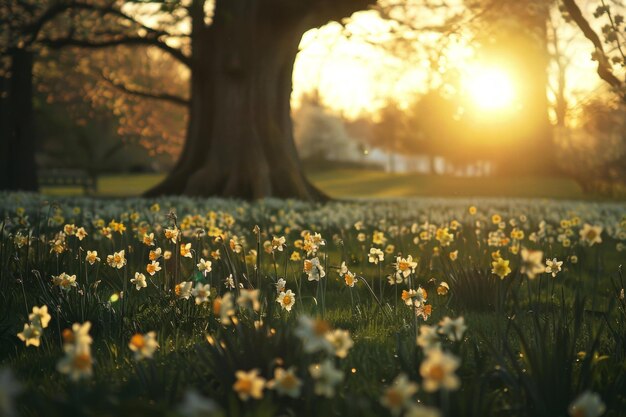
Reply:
x=426, y=127
x=29, y=26
x=86, y=114
x=320, y=135
x=390, y=132
x=421, y=127
x=434, y=125
x=72, y=143
x=594, y=153
x=108, y=83
x=432, y=119
x=508, y=34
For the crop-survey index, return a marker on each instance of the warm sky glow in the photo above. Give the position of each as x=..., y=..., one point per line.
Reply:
x=351, y=75
x=356, y=77
x=490, y=88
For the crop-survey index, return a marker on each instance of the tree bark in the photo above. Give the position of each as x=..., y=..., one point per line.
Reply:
x=517, y=40
x=538, y=140
x=240, y=136
x=18, y=170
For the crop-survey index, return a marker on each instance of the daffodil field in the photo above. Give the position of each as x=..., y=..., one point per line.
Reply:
x=429, y=307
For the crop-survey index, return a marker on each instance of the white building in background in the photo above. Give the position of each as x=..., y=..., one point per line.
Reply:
x=420, y=164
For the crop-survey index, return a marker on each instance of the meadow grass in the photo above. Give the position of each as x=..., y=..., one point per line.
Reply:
x=355, y=183
x=535, y=345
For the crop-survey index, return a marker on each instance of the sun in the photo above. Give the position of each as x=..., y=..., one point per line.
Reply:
x=490, y=88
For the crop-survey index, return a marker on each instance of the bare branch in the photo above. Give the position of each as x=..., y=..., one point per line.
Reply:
x=152, y=37
x=140, y=93
x=604, y=67
x=126, y=40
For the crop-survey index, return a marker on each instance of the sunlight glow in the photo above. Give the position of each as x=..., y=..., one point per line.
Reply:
x=491, y=88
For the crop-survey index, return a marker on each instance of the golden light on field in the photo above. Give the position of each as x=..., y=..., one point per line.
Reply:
x=490, y=88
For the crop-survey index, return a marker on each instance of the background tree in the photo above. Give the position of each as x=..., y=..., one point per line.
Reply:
x=88, y=114
x=320, y=135
x=594, y=154
x=29, y=26
x=507, y=34
x=21, y=22
x=390, y=132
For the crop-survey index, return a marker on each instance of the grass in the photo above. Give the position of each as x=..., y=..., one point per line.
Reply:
x=355, y=183
x=530, y=349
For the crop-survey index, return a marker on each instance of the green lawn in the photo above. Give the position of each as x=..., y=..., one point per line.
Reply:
x=351, y=183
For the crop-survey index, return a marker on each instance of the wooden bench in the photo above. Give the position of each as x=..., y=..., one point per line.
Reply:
x=67, y=178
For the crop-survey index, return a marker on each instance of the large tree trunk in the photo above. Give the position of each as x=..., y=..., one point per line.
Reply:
x=541, y=139
x=516, y=39
x=534, y=153
x=18, y=170
x=240, y=138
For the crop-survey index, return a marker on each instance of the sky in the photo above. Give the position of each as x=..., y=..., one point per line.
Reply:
x=354, y=77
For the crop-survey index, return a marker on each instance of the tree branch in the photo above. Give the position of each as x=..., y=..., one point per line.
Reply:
x=140, y=93
x=127, y=40
x=153, y=37
x=118, y=13
x=51, y=12
x=604, y=67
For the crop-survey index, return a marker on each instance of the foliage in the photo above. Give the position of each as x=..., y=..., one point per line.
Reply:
x=594, y=153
